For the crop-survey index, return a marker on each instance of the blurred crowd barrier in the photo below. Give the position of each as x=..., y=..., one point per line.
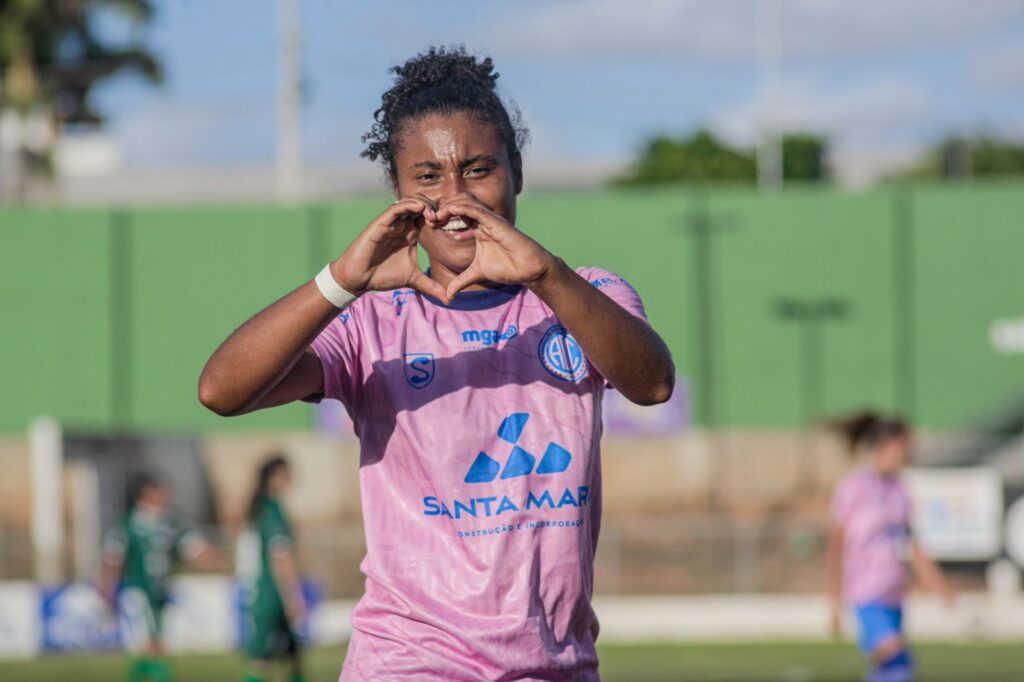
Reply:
x=697, y=513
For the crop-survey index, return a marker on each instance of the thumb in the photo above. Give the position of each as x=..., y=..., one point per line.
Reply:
x=426, y=285
x=470, y=275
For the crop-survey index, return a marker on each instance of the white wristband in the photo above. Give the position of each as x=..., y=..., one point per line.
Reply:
x=331, y=290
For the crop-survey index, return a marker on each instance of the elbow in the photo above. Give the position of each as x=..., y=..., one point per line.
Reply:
x=214, y=397
x=657, y=392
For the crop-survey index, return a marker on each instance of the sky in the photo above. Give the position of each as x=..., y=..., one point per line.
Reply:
x=882, y=79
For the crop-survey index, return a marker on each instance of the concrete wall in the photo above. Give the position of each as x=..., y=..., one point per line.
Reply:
x=109, y=315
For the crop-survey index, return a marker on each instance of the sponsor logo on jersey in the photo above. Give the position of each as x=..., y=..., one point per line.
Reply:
x=561, y=355
x=419, y=369
x=518, y=463
x=602, y=282
x=488, y=337
x=398, y=297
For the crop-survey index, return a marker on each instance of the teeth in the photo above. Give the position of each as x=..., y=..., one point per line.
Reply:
x=455, y=225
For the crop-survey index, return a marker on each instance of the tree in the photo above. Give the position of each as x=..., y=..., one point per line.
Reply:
x=983, y=156
x=51, y=57
x=703, y=158
x=698, y=158
x=803, y=158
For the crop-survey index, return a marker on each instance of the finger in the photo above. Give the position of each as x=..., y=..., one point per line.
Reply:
x=425, y=285
x=430, y=212
x=467, y=277
x=401, y=208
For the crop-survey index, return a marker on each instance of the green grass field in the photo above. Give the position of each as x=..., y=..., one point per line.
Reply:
x=779, y=662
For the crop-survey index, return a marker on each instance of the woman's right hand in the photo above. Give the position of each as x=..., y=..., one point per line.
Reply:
x=383, y=257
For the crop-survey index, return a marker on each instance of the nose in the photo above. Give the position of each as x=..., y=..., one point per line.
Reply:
x=453, y=186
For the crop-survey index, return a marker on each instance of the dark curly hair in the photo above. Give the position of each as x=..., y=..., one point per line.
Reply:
x=444, y=81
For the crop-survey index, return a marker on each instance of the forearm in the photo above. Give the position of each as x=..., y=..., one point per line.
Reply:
x=286, y=577
x=625, y=350
x=833, y=577
x=255, y=358
x=834, y=566
x=928, y=572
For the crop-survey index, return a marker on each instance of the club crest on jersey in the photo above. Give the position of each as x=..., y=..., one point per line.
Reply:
x=561, y=355
x=419, y=369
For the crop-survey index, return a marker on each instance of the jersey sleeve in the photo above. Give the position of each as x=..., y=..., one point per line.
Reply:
x=616, y=288
x=337, y=347
x=843, y=500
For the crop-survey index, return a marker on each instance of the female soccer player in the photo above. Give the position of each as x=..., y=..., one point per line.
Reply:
x=475, y=389
x=870, y=546
x=141, y=556
x=268, y=573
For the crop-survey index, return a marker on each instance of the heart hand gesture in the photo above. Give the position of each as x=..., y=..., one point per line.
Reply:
x=504, y=255
x=383, y=257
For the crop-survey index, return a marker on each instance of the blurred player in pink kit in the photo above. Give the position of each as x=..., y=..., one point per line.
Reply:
x=475, y=389
x=872, y=551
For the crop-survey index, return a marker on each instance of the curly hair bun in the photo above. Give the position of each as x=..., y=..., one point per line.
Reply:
x=444, y=65
x=442, y=80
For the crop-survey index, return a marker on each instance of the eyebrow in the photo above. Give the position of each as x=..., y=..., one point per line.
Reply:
x=434, y=165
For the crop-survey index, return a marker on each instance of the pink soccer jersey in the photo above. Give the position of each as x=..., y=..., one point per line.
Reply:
x=480, y=473
x=874, y=511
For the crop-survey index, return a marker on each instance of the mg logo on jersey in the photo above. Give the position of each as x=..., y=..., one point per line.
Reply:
x=488, y=337
x=561, y=355
x=520, y=462
x=419, y=369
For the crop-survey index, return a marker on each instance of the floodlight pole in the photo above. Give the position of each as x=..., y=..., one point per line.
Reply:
x=769, y=69
x=811, y=316
x=46, y=475
x=289, y=102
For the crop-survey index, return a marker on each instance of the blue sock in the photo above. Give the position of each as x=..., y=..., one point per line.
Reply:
x=899, y=668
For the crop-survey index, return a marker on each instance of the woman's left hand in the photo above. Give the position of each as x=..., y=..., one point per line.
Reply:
x=504, y=255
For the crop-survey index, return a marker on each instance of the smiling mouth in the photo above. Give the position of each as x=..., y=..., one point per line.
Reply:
x=455, y=224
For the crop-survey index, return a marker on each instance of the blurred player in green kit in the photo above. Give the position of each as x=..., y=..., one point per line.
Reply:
x=269, y=575
x=141, y=555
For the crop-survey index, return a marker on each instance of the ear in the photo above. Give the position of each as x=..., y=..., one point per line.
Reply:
x=517, y=171
x=392, y=177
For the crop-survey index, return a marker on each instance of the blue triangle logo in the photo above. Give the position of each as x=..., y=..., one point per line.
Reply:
x=520, y=463
x=484, y=469
x=556, y=460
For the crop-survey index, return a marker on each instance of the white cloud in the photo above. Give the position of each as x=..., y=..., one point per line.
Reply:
x=171, y=131
x=864, y=112
x=724, y=29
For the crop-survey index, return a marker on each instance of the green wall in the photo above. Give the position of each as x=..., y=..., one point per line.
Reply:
x=108, y=316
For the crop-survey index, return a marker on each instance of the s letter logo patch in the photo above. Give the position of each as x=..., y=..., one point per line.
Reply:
x=419, y=369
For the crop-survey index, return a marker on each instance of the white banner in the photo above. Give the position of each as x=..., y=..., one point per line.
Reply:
x=957, y=512
x=20, y=620
x=202, y=615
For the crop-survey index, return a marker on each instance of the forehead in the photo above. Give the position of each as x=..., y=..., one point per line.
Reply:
x=437, y=136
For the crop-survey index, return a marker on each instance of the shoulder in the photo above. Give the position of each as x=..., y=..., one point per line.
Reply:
x=600, y=277
x=852, y=483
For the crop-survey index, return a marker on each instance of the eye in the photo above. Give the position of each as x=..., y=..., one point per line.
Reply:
x=478, y=171
x=428, y=177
